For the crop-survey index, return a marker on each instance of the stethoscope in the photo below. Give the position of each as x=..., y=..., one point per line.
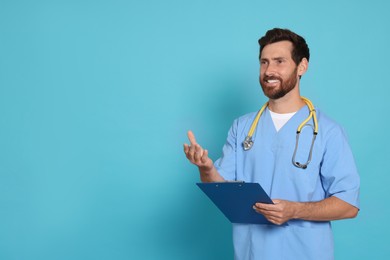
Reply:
x=248, y=142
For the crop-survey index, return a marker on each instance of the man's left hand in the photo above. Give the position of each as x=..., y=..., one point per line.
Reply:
x=278, y=213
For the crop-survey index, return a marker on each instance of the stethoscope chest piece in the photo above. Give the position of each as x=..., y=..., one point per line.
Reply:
x=248, y=143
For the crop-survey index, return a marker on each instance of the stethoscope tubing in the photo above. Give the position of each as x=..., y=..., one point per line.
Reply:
x=248, y=142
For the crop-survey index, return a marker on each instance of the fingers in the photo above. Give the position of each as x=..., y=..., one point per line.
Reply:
x=275, y=221
x=270, y=215
x=186, y=148
x=194, y=152
x=277, y=213
x=265, y=207
x=205, y=156
x=191, y=137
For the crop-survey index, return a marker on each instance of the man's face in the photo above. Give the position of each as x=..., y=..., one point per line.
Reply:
x=278, y=71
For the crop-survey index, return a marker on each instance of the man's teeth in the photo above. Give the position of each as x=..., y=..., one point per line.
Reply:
x=273, y=81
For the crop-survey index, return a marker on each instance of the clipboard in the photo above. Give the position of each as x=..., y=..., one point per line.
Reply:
x=236, y=200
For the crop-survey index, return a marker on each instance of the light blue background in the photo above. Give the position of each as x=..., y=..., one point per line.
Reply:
x=96, y=98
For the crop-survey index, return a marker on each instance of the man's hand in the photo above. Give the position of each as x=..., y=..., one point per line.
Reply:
x=328, y=209
x=200, y=157
x=196, y=154
x=278, y=213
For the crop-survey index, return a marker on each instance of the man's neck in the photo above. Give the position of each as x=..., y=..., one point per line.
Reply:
x=291, y=102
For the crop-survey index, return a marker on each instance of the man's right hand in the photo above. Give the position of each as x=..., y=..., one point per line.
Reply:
x=196, y=154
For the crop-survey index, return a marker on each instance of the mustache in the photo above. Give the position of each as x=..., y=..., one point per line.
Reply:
x=265, y=78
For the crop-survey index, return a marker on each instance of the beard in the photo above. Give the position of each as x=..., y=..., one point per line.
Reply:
x=283, y=88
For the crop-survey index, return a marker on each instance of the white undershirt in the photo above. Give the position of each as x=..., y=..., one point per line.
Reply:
x=280, y=119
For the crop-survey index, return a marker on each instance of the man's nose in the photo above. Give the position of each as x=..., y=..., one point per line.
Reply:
x=269, y=70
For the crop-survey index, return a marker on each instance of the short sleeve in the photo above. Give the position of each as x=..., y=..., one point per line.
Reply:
x=338, y=169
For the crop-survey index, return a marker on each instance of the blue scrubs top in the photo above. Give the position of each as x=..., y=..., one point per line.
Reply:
x=331, y=172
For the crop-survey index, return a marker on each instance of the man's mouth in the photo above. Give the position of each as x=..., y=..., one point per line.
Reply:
x=272, y=81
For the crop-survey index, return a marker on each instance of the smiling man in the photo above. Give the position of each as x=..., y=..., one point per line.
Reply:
x=311, y=182
x=276, y=62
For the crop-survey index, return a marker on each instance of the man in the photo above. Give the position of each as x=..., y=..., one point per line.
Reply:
x=306, y=195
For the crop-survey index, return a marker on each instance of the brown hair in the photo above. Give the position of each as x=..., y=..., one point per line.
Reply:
x=300, y=48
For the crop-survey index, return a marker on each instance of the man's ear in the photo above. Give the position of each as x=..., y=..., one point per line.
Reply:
x=302, y=67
